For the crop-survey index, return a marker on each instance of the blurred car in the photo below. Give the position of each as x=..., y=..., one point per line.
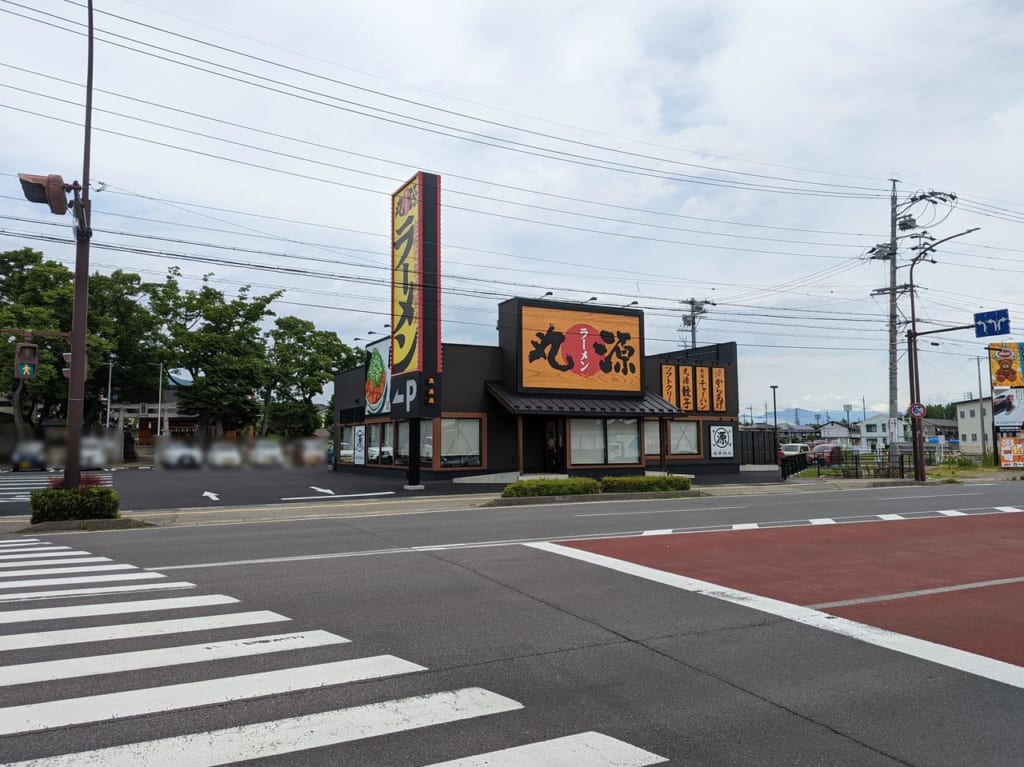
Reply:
x=793, y=448
x=825, y=455
x=266, y=452
x=29, y=456
x=93, y=454
x=309, y=452
x=180, y=455
x=224, y=455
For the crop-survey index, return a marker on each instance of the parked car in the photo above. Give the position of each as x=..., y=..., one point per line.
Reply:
x=93, y=454
x=825, y=455
x=224, y=455
x=309, y=452
x=793, y=448
x=266, y=452
x=29, y=456
x=180, y=455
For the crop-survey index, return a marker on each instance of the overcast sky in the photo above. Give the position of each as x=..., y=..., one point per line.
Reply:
x=732, y=152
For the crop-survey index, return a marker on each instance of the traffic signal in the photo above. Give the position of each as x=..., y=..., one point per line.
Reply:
x=49, y=190
x=26, y=360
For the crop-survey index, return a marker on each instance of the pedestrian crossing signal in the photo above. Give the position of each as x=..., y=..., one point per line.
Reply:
x=26, y=360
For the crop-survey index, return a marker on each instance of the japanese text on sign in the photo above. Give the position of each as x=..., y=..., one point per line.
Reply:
x=686, y=389
x=406, y=271
x=669, y=390
x=579, y=350
x=703, y=390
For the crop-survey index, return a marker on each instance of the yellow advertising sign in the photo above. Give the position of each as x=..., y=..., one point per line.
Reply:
x=703, y=389
x=669, y=390
x=718, y=390
x=686, y=389
x=1006, y=364
x=580, y=350
x=406, y=268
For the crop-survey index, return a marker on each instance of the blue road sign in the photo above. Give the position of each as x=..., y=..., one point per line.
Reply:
x=995, y=323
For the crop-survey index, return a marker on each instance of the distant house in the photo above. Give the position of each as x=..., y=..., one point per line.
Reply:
x=874, y=432
x=836, y=432
x=974, y=424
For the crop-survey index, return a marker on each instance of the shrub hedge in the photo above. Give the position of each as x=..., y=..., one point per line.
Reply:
x=88, y=503
x=644, y=484
x=538, y=487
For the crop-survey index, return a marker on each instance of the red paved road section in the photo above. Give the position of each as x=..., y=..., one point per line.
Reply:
x=811, y=565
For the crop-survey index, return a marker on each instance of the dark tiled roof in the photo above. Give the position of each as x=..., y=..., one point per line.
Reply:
x=550, y=404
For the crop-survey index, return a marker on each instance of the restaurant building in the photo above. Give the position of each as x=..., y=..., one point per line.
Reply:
x=567, y=391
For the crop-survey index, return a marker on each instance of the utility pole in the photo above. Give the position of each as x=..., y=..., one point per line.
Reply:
x=981, y=413
x=696, y=309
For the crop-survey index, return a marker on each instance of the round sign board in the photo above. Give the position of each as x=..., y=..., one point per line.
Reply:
x=917, y=410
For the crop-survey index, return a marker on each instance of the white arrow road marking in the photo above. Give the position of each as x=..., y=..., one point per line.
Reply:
x=211, y=496
x=321, y=490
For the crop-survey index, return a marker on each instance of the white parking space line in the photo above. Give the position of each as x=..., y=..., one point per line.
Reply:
x=286, y=736
x=135, y=630
x=51, y=562
x=951, y=513
x=588, y=749
x=1009, y=509
x=332, y=496
x=23, y=596
x=83, y=579
x=63, y=570
x=113, y=608
x=823, y=521
x=44, y=555
x=72, y=668
x=119, y=705
x=890, y=517
x=968, y=662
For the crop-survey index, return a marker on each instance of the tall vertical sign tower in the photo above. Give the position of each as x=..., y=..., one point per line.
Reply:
x=416, y=362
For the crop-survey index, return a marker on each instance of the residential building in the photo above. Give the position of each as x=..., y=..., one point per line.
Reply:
x=874, y=432
x=974, y=425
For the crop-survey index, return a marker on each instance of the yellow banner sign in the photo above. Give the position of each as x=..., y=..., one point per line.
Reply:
x=669, y=390
x=406, y=270
x=703, y=390
x=718, y=403
x=580, y=350
x=1006, y=363
x=686, y=389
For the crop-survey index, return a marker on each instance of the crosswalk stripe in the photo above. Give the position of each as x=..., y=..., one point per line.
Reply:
x=63, y=570
x=23, y=596
x=666, y=531
x=822, y=521
x=27, y=546
x=951, y=513
x=745, y=526
x=588, y=749
x=49, y=562
x=70, y=668
x=286, y=736
x=135, y=630
x=113, y=608
x=83, y=579
x=1009, y=509
x=890, y=517
x=19, y=542
x=118, y=705
x=41, y=554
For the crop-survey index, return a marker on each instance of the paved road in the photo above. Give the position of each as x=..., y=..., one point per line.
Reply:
x=454, y=651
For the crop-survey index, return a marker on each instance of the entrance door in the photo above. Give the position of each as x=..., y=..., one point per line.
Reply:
x=554, y=442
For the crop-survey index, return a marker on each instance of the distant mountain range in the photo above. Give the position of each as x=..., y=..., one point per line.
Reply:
x=807, y=417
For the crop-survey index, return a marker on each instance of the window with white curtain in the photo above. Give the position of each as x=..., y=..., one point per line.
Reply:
x=652, y=437
x=683, y=438
x=586, y=444
x=402, y=444
x=460, y=442
x=623, y=440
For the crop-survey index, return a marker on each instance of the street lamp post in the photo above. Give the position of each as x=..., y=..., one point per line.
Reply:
x=916, y=431
x=775, y=417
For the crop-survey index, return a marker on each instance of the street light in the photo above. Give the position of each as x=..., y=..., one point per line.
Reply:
x=51, y=190
x=775, y=417
x=917, y=433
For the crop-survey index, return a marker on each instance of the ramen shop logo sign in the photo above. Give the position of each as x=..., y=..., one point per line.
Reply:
x=585, y=350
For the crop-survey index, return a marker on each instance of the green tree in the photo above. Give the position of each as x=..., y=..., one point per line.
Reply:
x=293, y=419
x=220, y=344
x=301, y=361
